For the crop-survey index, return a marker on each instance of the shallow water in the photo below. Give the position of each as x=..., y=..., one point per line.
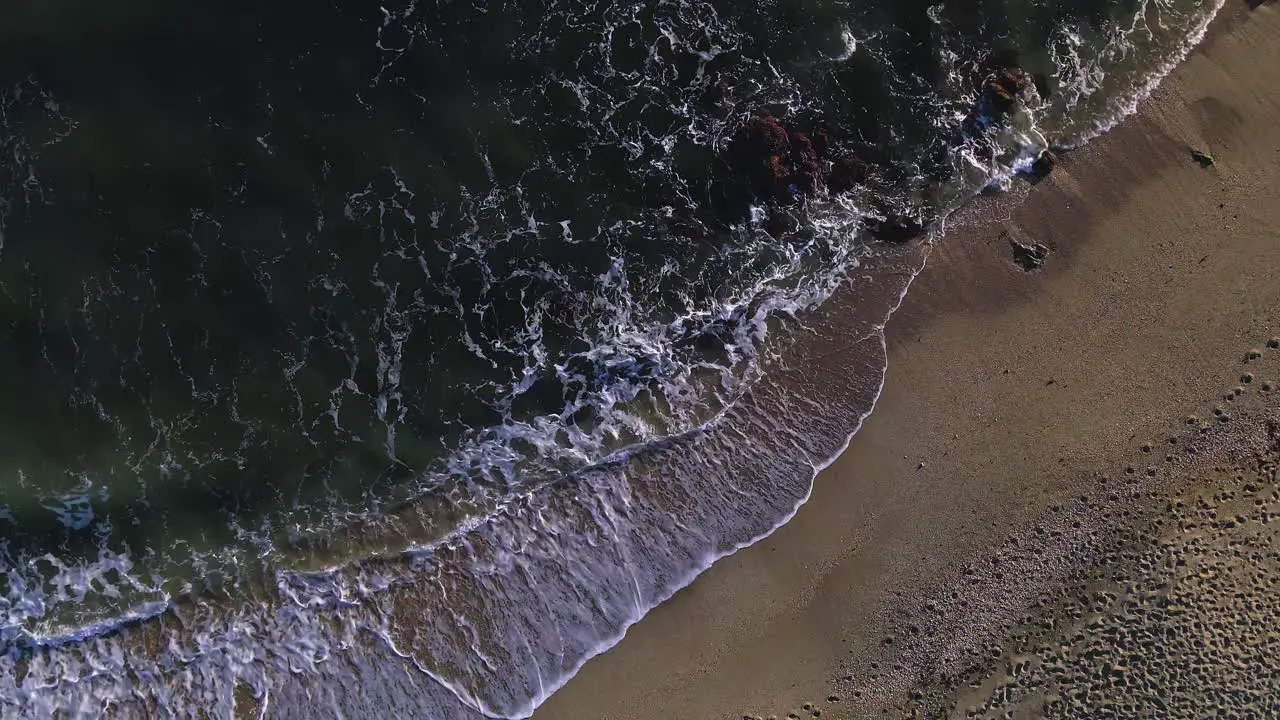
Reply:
x=313, y=310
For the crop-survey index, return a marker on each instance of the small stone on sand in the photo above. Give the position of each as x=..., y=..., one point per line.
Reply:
x=1203, y=158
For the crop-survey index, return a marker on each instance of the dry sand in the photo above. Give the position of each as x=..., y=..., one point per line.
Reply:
x=1180, y=620
x=1023, y=434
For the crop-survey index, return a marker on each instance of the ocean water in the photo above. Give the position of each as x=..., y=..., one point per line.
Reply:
x=400, y=356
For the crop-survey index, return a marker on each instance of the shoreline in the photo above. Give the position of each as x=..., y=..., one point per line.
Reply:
x=768, y=627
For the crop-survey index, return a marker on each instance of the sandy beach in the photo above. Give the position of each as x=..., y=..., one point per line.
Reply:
x=1029, y=421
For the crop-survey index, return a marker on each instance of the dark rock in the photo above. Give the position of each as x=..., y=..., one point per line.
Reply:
x=1030, y=256
x=722, y=91
x=895, y=228
x=783, y=163
x=1043, y=165
x=717, y=96
x=1204, y=158
x=846, y=173
x=1002, y=89
x=770, y=161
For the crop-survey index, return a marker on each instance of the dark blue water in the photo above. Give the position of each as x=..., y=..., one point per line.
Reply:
x=284, y=289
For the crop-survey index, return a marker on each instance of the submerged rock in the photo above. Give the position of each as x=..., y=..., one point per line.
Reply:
x=846, y=173
x=721, y=91
x=896, y=228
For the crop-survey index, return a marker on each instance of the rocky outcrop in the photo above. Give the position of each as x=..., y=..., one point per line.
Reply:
x=781, y=164
x=784, y=163
x=1002, y=91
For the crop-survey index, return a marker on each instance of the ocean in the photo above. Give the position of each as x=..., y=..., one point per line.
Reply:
x=398, y=357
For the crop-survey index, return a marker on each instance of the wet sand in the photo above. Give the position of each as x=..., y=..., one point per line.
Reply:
x=1023, y=431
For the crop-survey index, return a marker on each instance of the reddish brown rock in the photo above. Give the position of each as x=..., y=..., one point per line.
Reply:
x=1004, y=88
x=779, y=171
x=807, y=174
x=781, y=162
x=762, y=152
